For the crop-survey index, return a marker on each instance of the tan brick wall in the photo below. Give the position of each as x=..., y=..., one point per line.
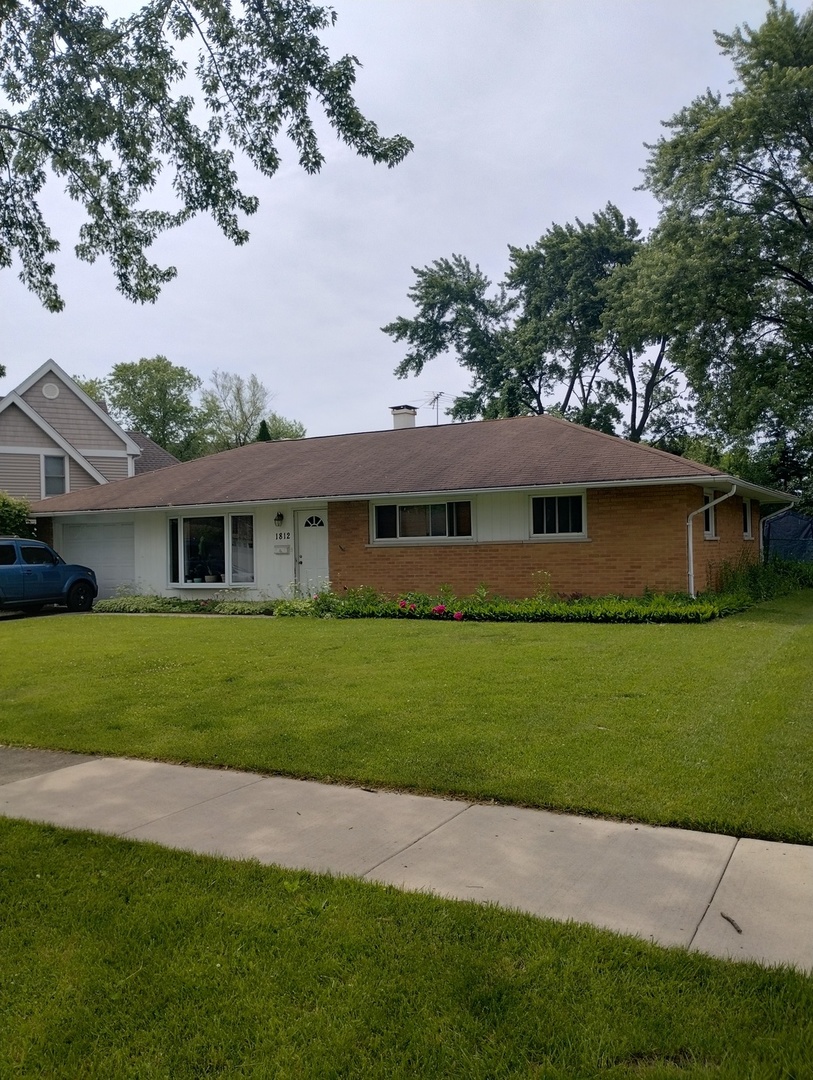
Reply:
x=729, y=547
x=637, y=540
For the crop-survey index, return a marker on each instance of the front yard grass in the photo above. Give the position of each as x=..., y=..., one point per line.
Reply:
x=124, y=960
x=706, y=727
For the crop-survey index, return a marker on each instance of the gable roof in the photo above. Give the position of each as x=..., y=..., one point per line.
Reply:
x=152, y=456
x=51, y=367
x=14, y=400
x=524, y=452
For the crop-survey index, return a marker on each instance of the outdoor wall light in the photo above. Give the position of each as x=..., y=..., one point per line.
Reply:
x=278, y=520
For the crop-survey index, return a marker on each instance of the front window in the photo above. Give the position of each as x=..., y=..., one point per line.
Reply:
x=54, y=474
x=557, y=515
x=212, y=550
x=422, y=521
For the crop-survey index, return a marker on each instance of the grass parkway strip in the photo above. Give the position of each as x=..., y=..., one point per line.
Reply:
x=121, y=959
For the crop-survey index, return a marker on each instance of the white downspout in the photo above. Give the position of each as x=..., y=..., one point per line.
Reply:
x=690, y=532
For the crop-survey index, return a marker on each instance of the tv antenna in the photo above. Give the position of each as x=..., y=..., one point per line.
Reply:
x=434, y=403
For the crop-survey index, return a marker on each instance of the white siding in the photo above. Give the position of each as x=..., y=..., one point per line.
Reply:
x=502, y=516
x=274, y=571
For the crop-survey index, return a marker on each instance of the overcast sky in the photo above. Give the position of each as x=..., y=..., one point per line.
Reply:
x=523, y=113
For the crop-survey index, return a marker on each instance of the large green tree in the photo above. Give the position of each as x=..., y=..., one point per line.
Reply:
x=107, y=104
x=157, y=398
x=550, y=336
x=729, y=271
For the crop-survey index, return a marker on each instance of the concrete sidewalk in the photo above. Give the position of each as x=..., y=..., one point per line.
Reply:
x=740, y=899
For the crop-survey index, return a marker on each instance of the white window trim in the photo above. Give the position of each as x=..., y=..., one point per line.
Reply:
x=421, y=541
x=748, y=534
x=556, y=538
x=227, y=584
x=711, y=532
x=66, y=467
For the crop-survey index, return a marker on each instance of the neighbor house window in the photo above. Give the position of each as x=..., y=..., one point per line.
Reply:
x=557, y=515
x=422, y=521
x=54, y=475
x=746, y=520
x=709, y=517
x=212, y=550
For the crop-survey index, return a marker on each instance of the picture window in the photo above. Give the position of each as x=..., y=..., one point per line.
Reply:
x=217, y=549
x=423, y=521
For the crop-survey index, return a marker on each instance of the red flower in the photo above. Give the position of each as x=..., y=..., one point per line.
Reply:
x=402, y=603
x=458, y=615
x=411, y=607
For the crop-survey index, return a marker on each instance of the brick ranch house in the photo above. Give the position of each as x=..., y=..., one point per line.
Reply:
x=505, y=503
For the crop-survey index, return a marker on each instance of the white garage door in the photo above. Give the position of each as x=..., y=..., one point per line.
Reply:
x=107, y=549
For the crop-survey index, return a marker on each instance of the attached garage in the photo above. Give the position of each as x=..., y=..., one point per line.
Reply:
x=109, y=549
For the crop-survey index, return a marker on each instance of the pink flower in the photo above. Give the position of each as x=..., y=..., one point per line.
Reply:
x=402, y=603
x=439, y=610
x=458, y=615
x=411, y=607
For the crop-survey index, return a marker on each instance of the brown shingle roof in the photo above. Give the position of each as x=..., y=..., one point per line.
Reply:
x=152, y=455
x=524, y=452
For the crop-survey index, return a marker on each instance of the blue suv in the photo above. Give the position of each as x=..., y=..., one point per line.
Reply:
x=32, y=575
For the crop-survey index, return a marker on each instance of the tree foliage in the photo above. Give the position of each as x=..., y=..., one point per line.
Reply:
x=280, y=427
x=551, y=336
x=729, y=271
x=235, y=406
x=168, y=403
x=156, y=397
x=103, y=104
x=14, y=516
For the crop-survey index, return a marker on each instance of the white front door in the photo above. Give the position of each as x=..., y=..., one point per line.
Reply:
x=312, y=571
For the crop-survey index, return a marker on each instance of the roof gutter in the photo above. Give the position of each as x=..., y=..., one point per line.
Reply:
x=690, y=532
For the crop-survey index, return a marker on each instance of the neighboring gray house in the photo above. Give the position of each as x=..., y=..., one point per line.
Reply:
x=54, y=439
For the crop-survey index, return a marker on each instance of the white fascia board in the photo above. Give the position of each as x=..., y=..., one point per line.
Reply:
x=52, y=433
x=51, y=367
x=749, y=491
x=185, y=510
x=711, y=480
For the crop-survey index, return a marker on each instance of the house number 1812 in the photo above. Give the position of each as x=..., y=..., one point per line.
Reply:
x=282, y=536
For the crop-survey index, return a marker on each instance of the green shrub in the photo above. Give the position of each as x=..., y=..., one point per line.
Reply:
x=741, y=585
x=763, y=580
x=14, y=517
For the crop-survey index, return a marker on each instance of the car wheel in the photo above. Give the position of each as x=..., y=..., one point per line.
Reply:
x=80, y=598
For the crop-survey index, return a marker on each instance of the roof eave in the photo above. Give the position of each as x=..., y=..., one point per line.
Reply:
x=756, y=491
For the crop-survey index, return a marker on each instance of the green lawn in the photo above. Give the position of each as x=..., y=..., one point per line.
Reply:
x=122, y=960
x=706, y=726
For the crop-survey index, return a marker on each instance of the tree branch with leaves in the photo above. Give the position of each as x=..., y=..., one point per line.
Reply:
x=103, y=104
